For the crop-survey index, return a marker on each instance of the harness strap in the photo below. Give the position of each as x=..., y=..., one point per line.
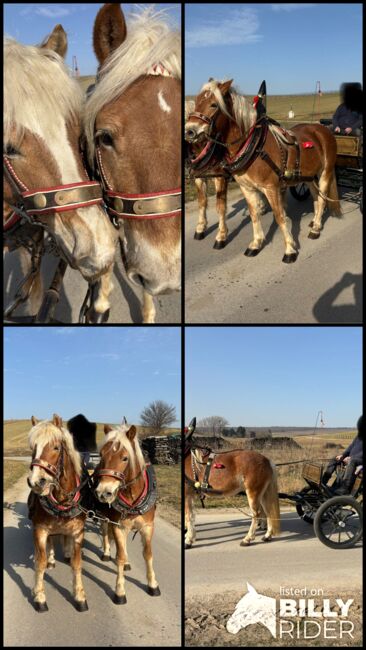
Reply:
x=155, y=205
x=47, y=466
x=110, y=472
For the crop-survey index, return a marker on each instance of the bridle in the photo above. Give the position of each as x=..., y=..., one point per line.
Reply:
x=119, y=476
x=146, y=206
x=211, y=123
x=54, y=470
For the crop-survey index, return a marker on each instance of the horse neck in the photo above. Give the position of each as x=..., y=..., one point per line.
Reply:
x=67, y=479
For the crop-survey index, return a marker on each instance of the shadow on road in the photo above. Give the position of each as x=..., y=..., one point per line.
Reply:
x=325, y=311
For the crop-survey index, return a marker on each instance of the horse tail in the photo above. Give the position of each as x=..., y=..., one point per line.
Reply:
x=334, y=205
x=272, y=503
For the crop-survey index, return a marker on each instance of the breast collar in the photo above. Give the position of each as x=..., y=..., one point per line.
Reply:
x=146, y=206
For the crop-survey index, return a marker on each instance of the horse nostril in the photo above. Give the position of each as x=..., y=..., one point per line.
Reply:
x=190, y=133
x=41, y=482
x=141, y=279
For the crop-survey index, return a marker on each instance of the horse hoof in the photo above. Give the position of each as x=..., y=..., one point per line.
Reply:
x=153, y=591
x=81, y=606
x=313, y=235
x=41, y=607
x=51, y=565
x=219, y=244
x=127, y=567
x=199, y=235
x=119, y=600
x=288, y=259
x=187, y=545
x=311, y=224
x=105, y=558
x=252, y=252
x=267, y=539
x=244, y=543
x=67, y=560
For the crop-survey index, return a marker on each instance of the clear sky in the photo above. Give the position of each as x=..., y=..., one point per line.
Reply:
x=29, y=23
x=103, y=372
x=290, y=45
x=263, y=376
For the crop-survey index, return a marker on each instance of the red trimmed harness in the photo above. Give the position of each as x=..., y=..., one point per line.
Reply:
x=49, y=502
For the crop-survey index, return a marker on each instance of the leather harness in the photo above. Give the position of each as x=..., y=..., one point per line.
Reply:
x=143, y=503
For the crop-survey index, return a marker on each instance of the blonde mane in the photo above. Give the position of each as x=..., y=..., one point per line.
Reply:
x=46, y=432
x=37, y=87
x=244, y=113
x=149, y=41
x=119, y=435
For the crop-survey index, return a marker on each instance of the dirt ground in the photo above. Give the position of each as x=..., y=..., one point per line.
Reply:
x=206, y=618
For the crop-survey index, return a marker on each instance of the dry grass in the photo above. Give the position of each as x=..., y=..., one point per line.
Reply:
x=13, y=471
x=169, y=493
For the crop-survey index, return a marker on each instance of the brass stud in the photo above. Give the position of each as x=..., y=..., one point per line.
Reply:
x=40, y=201
x=138, y=207
x=118, y=205
x=60, y=198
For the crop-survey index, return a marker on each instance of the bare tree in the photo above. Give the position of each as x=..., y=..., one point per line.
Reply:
x=214, y=424
x=158, y=415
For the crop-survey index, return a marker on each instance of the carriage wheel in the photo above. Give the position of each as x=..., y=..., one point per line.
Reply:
x=338, y=522
x=300, y=192
x=307, y=509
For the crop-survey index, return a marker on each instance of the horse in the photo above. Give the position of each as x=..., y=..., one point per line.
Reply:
x=133, y=135
x=263, y=158
x=55, y=479
x=225, y=474
x=46, y=186
x=126, y=490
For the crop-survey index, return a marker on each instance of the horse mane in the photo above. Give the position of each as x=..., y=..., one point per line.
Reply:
x=37, y=87
x=244, y=113
x=149, y=41
x=119, y=436
x=46, y=432
x=189, y=105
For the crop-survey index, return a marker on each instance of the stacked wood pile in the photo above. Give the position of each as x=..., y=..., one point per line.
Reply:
x=164, y=450
x=270, y=443
x=213, y=442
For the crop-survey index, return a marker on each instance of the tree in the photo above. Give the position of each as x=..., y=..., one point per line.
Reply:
x=158, y=415
x=215, y=424
x=241, y=432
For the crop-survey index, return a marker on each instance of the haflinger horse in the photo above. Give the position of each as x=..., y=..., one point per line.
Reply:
x=263, y=158
x=46, y=185
x=226, y=474
x=125, y=487
x=55, y=479
x=133, y=134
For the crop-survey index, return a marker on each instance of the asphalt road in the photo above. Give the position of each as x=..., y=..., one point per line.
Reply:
x=324, y=285
x=295, y=559
x=125, y=298
x=143, y=621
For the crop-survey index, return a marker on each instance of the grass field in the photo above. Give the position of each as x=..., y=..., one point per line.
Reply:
x=13, y=470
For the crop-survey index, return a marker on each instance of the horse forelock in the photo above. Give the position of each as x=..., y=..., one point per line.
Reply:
x=119, y=437
x=149, y=41
x=37, y=87
x=46, y=432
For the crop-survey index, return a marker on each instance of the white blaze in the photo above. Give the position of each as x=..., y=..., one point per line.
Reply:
x=163, y=103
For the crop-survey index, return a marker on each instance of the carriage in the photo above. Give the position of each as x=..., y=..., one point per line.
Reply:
x=337, y=520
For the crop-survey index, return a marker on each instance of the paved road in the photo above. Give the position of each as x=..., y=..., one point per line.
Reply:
x=143, y=621
x=324, y=285
x=125, y=299
x=297, y=559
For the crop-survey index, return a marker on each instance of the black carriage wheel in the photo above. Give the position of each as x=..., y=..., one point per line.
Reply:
x=306, y=511
x=300, y=192
x=338, y=522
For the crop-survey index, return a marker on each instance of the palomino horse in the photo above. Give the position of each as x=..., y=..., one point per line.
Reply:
x=55, y=481
x=46, y=186
x=231, y=472
x=262, y=157
x=126, y=490
x=133, y=133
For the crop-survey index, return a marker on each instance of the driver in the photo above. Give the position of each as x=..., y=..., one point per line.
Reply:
x=347, y=120
x=351, y=457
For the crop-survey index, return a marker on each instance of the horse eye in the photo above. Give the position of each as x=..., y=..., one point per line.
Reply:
x=125, y=459
x=10, y=150
x=56, y=448
x=105, y=139
x=213, y=105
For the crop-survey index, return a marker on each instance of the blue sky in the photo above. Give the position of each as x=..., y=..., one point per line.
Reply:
x=29, y=23
x=263, y=376
x=290, y=45
x=103, y=372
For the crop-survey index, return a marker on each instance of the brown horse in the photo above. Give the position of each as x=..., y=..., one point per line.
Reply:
x=262, y=157
x=46, y=186
x=54, y=478
x=133, y=132
x=126, y=491
x=232, y=472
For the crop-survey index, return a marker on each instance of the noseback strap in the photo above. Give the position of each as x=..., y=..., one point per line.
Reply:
x=201, y=117
x=144, y=206
x=110, y=472
x=62, y=198
x=47, y=466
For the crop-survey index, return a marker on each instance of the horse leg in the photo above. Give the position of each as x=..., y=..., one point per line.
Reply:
x=51, y=553
x=201, y=187
x=221, y=197
x=262, y=519
x=254, y=205
x=78, y=589
x=120, y=535
x=189, y=517
x=275, y=198
x=146, y=533
x=254, y=504
x=104, y=529
x=319, y=204
x=148, y=308
x=67, y=544
x=40, y=536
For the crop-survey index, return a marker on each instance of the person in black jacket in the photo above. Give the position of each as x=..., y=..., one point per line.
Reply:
x=351, y=457
x=347, y=120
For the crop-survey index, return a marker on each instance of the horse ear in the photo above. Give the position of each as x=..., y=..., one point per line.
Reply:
x=124, y=421
x=107, y=428
x=251, y=589
x=57, y=420
x=225, y=86
x=109, y=31
x=34, y=421
x=131, y=433
x=56, y=41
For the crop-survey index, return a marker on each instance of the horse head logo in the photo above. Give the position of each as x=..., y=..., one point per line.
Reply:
x=253, y=608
